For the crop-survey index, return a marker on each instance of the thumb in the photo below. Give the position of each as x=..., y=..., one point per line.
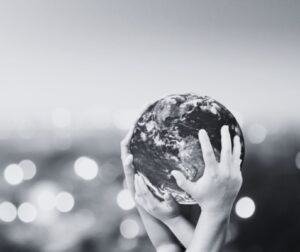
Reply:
x=182, y=181
x=170, y=200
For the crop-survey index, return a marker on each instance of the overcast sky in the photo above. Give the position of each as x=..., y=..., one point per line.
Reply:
x=113, y=55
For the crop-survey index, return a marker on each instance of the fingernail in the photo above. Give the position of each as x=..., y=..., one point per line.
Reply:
x=224, y=128
x=201, y=131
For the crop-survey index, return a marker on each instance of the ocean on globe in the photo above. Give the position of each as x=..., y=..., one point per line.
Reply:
x=165, y=138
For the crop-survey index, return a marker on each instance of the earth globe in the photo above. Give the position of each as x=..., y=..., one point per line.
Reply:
x=165, y=138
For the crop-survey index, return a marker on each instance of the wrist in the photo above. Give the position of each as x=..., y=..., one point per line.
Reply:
x=171, y=222
x=219, y=211
x=214, y=216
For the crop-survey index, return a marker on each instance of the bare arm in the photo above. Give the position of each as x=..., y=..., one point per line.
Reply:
x=182, y=229
x=215, y=192
x=210, y=233
x=166, y=211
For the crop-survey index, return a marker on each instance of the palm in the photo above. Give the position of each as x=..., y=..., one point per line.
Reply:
x=221, y=181
x=161, y=210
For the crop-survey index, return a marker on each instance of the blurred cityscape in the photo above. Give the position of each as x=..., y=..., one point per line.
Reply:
x=72, y=74
x=63, y=190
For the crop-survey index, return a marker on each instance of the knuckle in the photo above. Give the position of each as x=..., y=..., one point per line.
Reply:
x=226, y=175
x=227, y=151
x=214, y=175
x=209, y=154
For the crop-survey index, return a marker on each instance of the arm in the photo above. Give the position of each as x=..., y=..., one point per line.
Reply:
x=159, y=235
x=215, y=192
x=166, y=211
x=182, y=229
x=210, y=233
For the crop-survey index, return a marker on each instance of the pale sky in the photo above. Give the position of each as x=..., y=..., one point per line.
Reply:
x=116, y=55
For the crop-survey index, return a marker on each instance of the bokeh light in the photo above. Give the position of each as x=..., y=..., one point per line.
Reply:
x=297, y=160
x=27, y=212
x=125, y=200
x=8, y=211
x=64, y=202
x=61, y=118
x=245, y=207
x=167, y=247
x=86, y=168
x=13, y=174
x=46, y=200
x=129, y=228
x=256, y=133
x=29, y=169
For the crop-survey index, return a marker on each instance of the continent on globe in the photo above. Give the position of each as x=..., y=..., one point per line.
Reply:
x=165, y=138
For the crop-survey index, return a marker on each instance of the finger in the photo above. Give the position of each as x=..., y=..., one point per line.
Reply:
x=147, y=193
x=143, y=187
x=124, y=144
x=138, y=194
x=237, y=149
x=139, y=200
x=129, y=174
x=138, y=190
x=226, y=152
x=207, y=150
x=169, y=200
x=182, y=182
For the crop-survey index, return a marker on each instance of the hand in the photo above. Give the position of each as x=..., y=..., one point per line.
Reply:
x=127, y=159
x=217, y=189
x=162, y=210
x=160, y=236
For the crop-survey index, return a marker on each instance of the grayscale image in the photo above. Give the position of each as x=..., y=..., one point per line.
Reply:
x=149, y=126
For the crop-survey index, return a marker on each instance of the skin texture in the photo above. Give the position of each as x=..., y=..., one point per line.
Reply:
x=166, y=211
x=215, y=192
x=160, y=236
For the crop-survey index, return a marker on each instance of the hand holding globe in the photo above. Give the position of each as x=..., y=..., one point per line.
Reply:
x=206, y=167
x=165, y=139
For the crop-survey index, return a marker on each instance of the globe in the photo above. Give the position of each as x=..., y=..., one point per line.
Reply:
x=165, y=138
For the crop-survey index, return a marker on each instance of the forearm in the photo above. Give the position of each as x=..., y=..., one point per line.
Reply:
x=210, y=233
x=182, y=229
x=158, y=233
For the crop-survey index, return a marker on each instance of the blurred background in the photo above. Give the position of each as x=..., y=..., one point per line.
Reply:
x=73, y=76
